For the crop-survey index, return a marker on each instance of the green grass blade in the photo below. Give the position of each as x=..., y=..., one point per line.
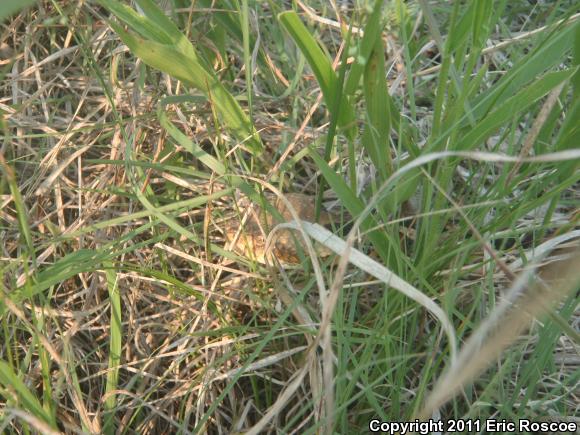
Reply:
x=549, y=53
x=10, y=380
x=83, y=260
x=316, y=58
x=378, y=126
x=569, y=135
x=8, y=7
x=352, y=203
x=197, y=152
x=169, y=51
x=373, y=31
x=248, y=66
x=334, y=109
x=115, y=345
x=459, y=29
x=157, y=19
x=518, y=103
x=321, y=66
x=140, y=24
x=20, y=206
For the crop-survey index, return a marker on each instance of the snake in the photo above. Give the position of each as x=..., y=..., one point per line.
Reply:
x=247, y=236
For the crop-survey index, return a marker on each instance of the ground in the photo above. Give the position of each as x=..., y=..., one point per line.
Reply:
x=443, y=137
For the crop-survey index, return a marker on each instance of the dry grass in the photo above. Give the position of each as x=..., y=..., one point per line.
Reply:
x=211, y=342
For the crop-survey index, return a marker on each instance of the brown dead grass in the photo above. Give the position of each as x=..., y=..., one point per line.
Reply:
x=68, y=121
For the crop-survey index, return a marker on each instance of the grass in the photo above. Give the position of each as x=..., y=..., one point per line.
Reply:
x=447, y=135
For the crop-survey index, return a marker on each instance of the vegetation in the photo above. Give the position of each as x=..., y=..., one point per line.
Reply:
x=445, y=134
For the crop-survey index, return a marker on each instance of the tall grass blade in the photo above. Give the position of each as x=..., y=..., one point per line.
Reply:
x=115, y=346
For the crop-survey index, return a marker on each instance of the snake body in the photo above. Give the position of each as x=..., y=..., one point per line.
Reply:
x=248, y=236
